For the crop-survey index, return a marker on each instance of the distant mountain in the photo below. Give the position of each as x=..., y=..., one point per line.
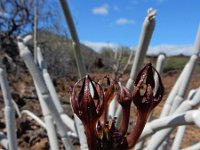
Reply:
x=58, y=52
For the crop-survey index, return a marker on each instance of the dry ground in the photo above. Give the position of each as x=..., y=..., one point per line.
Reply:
x=31, y=136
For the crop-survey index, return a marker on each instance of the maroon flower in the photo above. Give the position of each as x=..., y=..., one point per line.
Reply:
x=124, y=99
x=108, y=86
x=146, y=98
x=88, y=106
x=88, y=103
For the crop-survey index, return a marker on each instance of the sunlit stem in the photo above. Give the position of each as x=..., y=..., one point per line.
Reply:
x=9, y=111
x=90, y=131
x=40, y=84
x=80, y=64
x=125, y=119
x=42, y=64
x=176, y=96
x=145, y=37
x=187, y=118
x=133, y=137
x=3, y=140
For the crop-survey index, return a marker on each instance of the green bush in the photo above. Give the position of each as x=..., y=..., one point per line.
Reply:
x=175, y=63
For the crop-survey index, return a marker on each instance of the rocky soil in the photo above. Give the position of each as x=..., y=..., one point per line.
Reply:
x=31, y=136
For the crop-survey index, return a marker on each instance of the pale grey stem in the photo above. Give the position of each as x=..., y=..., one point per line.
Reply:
x=80, y=64
x=118, y=114
x=186, y=118
x=3, y=140
x=75, y=39
x=197, y=43
x=173, y=93
x=145, y=37
x=172, y=103
x=9, y=111
x=25, y=39
x=34, y=117
x=129, y=61
x=39, y=80
x=184, y=84
x=185, y=106
x=179, y=137
x=140, y=145
x=51, y=131
x=112, y=107
x=187, y=76
x=42, y=124
x=35, y=23
x=16, y=108
x=42, y=64
x=159, y=67
x=116, y=54
x=181, y=130
x=193, y=147
x=116, y=67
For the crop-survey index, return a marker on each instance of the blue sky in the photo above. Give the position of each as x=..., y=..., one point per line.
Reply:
x=119, y=22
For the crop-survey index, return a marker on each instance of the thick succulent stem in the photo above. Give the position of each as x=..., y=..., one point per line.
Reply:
x=103, y=117
x=125, y=120
x=91, y=135
x=136, y=132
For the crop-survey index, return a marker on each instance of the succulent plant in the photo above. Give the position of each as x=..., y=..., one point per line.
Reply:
x=145, y=99
x=90, y=103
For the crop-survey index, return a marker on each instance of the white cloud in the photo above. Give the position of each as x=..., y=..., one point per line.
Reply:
x=124, y=21
x=171, y=50
x=97, y=46
x=102, y=10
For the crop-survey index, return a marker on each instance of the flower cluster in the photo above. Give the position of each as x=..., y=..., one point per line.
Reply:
x=90, y=103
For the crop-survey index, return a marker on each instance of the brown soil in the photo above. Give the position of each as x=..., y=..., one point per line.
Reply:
x=32, y=136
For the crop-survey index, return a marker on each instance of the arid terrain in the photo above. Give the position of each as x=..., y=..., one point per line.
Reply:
x=31, y=136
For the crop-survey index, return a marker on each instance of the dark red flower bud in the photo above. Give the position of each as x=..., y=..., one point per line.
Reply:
x=124, y=99
x=108, y=87
x=144, y=96
x=88, y=103
x=123, y=96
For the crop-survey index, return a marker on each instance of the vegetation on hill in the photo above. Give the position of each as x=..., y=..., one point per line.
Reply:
x=58, y=52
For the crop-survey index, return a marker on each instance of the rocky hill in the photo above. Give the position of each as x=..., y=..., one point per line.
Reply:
x=58, y=53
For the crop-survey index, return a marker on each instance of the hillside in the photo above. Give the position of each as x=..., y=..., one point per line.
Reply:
x=58, y=52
